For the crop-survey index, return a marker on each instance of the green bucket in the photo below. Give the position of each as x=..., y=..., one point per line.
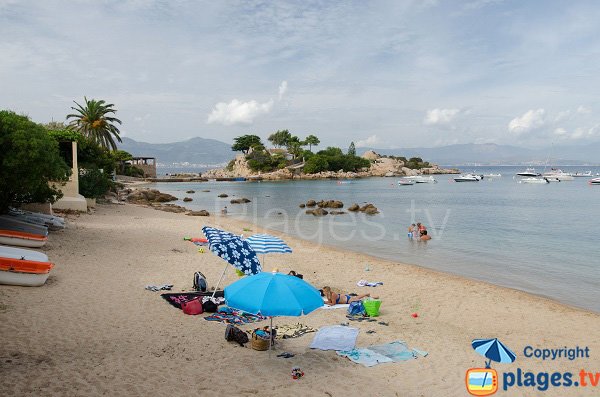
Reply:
x=372, y=307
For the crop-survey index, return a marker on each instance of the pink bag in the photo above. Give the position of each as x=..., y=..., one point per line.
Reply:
x=193, y=306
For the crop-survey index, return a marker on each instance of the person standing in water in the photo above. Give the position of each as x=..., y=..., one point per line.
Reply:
x=411, y=230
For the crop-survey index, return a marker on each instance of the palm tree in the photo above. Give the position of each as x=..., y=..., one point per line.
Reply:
x=94, y=122
x=311, y=140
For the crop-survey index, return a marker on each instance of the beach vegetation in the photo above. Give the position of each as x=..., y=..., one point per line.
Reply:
x=263, y=161
x=316, y=164
x=29, y=160
x=416, y=163
x=311, y=141
x=94, y=183
x=280, y=138
x=334, y=159
x=95, y=120
x=246, y=142
x=294, y=146
x=352, y=149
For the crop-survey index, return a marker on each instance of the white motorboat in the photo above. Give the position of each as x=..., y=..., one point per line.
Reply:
x=587, y=174
x=467, y=178
x=406, y=182
x=534, y=180
x=421, y=179
x=595, y=181
x=492, y=175
x=529, y=172
x=558, y=175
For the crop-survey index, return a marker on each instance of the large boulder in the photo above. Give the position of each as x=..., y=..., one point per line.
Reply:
x=311, y=203
x=223, y=195
x=242, y=200
x=302, y=205
x=334, y=212
x=187, y=199
x=369, y=209
x=198, y=213
x=370, y=155
x=354, y=207
x=148, y=196
x=317, y=212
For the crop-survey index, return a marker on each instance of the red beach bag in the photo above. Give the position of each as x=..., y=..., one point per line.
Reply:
x=193, y=306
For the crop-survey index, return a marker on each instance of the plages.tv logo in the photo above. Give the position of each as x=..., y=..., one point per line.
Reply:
x=484, y=381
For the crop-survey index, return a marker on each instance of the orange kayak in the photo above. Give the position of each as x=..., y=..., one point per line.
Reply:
x=12, y=237
x=25, y=266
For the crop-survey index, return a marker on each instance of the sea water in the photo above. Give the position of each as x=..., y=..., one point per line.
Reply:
x=539, y=238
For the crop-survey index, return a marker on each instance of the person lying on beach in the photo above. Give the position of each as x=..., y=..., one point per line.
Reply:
x=425, y=236
x=341, y=299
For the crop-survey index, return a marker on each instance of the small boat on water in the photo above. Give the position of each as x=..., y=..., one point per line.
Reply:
x=492, y=175
x=558, y=175
x=405, y=182
x=23, y=272
x=421, y=179
x=534, y=180
x=595, y=181
x=468, y=178
x=587, y=174
x=529, y=172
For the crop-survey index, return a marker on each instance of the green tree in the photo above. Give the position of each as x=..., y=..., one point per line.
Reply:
x=280, y=138
x=245, y=142
x=311, y=141
x=29, y=160
x=352, y=149
x=294, y=146
x=94, y=121
x=316, y=164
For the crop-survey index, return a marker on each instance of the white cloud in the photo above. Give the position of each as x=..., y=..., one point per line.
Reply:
x=440, y=116
x=369, y=142
x=531, y=120
x=560, y=131
x=282, y=89
x=583, y=110
x=237, y=112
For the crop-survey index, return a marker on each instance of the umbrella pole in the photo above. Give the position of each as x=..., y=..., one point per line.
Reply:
x=221, y=279
x=487, y=365
x=271, y=336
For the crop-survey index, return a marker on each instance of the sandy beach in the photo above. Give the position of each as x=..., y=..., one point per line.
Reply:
x=94, y=330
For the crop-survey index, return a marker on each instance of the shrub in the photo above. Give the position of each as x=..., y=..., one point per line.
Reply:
x=93, y=183
x=316, y=164
x=29, y=159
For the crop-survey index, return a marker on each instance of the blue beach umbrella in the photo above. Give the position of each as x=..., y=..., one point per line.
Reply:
x=273, y=294
x=232, y=249
x=267, y=244
x=493, y=349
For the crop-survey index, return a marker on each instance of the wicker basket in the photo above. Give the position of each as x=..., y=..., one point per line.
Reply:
x=259, y=343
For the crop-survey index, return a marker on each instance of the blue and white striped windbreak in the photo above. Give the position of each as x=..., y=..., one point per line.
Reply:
x=267, y=244
x=494, y=350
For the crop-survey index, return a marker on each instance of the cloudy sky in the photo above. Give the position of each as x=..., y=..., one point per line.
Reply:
x=384, y=73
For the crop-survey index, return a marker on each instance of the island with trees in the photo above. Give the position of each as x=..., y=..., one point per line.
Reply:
x=290, y=158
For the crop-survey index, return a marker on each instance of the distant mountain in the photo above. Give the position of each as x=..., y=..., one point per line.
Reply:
x=492, y=154
x=193, y=152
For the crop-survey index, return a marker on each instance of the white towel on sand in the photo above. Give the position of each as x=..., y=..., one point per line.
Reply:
x=338, y=306
x=335, y=337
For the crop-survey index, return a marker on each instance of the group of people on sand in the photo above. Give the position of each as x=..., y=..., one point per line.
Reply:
x=418, y=231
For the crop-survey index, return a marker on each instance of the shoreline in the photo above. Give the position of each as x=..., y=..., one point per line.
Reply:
x=340, y=250
x=93, y=324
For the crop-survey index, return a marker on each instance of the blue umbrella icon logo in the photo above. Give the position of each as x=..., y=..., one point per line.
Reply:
x=493, y=350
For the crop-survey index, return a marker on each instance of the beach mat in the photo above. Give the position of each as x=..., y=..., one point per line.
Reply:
x=177, y=298
x=395, y=351
x=335, y=337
